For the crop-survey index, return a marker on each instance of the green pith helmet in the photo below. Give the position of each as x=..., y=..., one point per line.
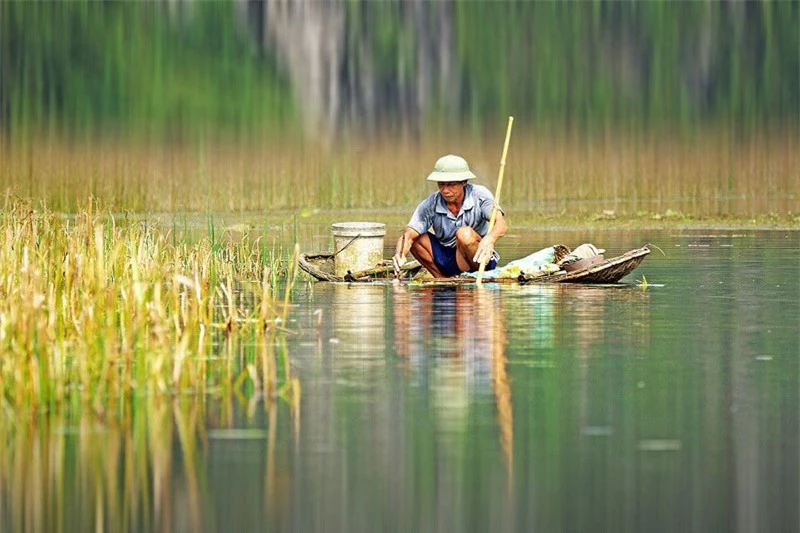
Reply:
x=451, y=168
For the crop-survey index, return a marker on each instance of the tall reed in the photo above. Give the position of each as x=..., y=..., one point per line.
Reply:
x=94, y=310
x=712, y=174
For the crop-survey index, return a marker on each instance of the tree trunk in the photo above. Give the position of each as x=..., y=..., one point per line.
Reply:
x=330, y=62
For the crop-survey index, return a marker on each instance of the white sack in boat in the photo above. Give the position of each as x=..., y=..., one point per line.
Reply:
x=542, y=262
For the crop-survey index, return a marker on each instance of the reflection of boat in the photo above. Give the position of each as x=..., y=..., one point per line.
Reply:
x=320, y=266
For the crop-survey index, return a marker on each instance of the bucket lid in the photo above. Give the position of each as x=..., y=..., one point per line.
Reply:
x=363, y=229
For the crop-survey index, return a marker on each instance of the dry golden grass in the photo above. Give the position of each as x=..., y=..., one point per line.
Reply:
x=715, y=174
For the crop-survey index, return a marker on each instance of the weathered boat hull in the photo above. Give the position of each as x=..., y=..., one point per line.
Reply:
x=608, y=271
x=320, y=266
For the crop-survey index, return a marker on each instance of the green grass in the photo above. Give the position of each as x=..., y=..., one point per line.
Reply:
x=94, y=310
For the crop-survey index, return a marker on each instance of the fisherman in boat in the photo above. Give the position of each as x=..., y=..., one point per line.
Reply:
x=449, y=230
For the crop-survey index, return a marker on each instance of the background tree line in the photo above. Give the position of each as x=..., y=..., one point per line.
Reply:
x=179, y=70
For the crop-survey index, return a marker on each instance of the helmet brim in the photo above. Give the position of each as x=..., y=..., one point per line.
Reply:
x=450, y=176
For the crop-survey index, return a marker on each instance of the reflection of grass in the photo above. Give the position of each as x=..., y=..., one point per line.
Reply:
x=145, y=470
x=94, y=310
x=609, y=178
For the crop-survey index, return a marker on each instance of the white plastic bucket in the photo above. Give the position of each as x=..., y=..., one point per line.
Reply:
x=359, y=246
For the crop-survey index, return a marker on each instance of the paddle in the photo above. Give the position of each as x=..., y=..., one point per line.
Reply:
x=484, y=259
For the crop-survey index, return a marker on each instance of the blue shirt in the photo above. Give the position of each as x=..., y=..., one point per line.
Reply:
x=476, y=210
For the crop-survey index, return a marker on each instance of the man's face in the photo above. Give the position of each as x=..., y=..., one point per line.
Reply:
x=452, y=191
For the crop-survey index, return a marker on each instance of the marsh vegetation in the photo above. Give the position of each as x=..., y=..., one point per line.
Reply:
x=716, y=174
x=95, y=311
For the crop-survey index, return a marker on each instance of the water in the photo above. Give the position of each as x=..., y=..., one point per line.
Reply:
x=454, y=409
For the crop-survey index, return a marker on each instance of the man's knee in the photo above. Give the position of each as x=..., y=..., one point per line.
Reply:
x=421, y=245
x=466, y=236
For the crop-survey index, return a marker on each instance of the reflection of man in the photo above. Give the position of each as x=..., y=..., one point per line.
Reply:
x=430, y=320
x=460, y=334
x=449, y=231
x=448, y=321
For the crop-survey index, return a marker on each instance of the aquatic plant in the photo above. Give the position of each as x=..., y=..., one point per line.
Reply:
x=94, y=310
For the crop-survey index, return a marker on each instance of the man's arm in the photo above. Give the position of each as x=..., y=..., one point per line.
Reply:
x=500, y=227
x=403, y=246
x=486, y=246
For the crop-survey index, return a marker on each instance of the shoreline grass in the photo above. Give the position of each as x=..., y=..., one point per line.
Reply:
x=596, y=218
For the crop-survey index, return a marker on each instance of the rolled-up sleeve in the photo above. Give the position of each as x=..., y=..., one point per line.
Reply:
x=422, y=219
x=486, y=202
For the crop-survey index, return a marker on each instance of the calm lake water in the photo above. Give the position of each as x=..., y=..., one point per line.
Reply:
x=436, y=408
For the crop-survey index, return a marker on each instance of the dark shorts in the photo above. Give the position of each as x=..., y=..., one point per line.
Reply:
x=445, y=258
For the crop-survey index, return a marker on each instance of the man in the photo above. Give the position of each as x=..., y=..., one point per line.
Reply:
x=447, y=233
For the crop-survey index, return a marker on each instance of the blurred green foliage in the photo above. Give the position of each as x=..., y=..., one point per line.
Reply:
x=641, y=64
x=139, y=69
x=132, y=69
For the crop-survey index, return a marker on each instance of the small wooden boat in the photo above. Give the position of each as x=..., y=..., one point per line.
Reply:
x=321, y=267
x=606, y=271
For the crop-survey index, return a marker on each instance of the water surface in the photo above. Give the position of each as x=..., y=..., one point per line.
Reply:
x=438, y=408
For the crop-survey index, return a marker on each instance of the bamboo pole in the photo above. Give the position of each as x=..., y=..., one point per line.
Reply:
x=482, y=266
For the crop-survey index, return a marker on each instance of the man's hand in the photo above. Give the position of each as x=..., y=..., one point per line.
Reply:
x=402, y=249
x=485, y=250
x=398, y=260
